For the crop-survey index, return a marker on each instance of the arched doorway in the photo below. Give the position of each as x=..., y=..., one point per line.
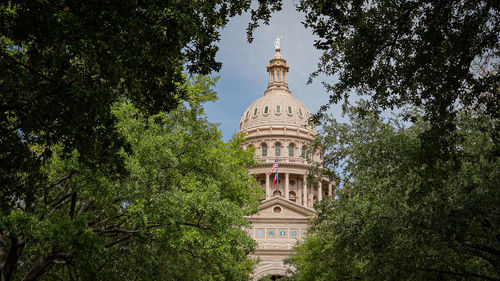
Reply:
x=271, y=277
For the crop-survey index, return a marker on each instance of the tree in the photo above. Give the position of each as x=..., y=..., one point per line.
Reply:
x=387, y=223
x=64, y=63
x=178, y=215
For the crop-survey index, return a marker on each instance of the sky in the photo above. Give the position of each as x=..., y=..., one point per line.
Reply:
x=243, y=77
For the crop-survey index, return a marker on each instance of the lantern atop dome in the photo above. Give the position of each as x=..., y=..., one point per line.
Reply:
x=277, y=69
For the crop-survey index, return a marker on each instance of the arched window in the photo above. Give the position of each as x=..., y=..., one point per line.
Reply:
x=277, y=193
x=292, y=196
x=277, y=149
x=266, y=110
x=300, y=112
x=264, y=149
x=303, y=152
x=289, y=110
x=255, y=112
x=291, y=148
x=278, y=110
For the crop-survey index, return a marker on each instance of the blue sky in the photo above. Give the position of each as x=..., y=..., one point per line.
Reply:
x=243, y=77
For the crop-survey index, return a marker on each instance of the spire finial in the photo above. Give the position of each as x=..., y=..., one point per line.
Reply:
x=277, y=41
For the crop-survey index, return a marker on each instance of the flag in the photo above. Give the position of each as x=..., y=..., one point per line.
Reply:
x=275, y=180
x=275, y=166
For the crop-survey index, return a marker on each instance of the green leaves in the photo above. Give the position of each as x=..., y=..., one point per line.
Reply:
x=177, y=214
x=397, y=219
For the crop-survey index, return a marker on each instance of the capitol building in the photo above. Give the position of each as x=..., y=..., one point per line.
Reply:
x=276, y=125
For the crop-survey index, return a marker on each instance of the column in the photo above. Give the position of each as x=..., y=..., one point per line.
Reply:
x=299, y=191
x=330, y=189
x=287, y=187
x=304, y=193
x=320, y=192
x=268, y=189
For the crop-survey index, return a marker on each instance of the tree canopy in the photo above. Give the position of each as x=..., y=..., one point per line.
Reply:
x=64, y=63
x=388, y=222
x=177, y=215
x=63, y=158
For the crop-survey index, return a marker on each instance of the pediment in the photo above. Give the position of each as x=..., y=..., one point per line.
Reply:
x=282, y=209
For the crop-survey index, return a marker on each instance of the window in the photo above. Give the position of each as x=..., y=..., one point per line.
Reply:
x=278, y=109
x=300, y=112
x=264, y=150
x=277, y=193
x=294, y=233
x=277, y=149
x=270, y=233
x=266, y=110
x=289, y=110
x=292, y=196
x=303, y=152
x=262, y=182
x=282, y=233
x=255, y=112
x=248, y=112
x=260, y=233
x=291, y=148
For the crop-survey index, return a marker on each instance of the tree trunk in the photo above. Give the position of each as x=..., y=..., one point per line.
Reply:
x=10, y=257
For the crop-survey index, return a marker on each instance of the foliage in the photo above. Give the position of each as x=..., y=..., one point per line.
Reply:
x=418, y=53
x=64, y=63
x=395, y=221
x=178, y=215
x=63, y=66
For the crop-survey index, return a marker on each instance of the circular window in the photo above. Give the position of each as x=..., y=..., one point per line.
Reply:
x=292, y=182
x=282, y=233
x=270, y=233
x=277, y=210
x=260, y=233
x=294, y=233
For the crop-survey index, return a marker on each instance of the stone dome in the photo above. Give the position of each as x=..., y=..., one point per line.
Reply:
x=277, y=108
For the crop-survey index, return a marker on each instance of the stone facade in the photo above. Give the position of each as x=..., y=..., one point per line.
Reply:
x=277, y=126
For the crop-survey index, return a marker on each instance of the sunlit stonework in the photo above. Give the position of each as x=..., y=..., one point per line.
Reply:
x=276, y=125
